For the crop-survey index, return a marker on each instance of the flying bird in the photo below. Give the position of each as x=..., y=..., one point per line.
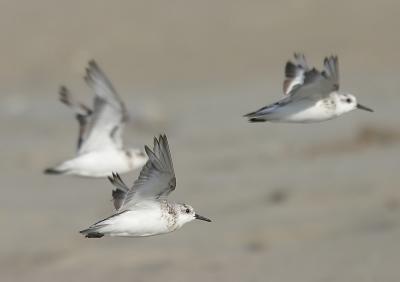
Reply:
x=309, y=95
x=100, y=149
x=143, y=209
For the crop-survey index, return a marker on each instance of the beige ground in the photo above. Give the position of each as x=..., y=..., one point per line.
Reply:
x=302, y=203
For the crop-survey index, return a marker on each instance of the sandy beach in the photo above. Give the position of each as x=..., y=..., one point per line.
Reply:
x=303, y=202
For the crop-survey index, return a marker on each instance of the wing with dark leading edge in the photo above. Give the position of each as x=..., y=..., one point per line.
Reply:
x=295, y=73
x=82, y=113
x=119, y=194
x=304, y=82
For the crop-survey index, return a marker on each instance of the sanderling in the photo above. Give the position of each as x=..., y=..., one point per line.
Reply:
x=310, y=95
x=143, y=210
x=100, y=147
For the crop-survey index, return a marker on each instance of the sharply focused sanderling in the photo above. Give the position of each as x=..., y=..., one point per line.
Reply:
x=100, y=148
x=310, y=95
x=143, y=210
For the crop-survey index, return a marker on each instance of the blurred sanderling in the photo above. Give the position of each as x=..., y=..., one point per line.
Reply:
x=310, y=95
x=143, y=210
x=100, y=147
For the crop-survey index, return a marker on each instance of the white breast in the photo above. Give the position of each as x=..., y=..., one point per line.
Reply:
x=299, y=112
x=100, y=163
x=136, y=223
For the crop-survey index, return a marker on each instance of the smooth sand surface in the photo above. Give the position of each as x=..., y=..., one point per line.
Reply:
x=304, y=203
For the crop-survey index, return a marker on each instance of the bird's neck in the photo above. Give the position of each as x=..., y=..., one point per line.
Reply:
x=170, y=214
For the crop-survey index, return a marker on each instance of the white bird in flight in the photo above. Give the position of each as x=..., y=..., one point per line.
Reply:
x=143, y=210
x=310, y=95
x=100, y=147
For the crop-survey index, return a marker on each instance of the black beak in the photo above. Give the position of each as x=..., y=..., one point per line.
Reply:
x=361, y=107
x=196, y=216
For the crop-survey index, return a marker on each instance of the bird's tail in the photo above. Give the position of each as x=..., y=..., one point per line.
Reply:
x=55, y=170
x=91, y=233
x=257, y=120
x=99, y=229
x=62, y=168
x=256, y=116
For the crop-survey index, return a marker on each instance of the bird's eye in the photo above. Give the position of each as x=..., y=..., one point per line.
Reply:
x=348, y=100
x=187, y=211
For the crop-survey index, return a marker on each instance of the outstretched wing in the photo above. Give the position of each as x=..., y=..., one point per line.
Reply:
x=109, y=113
x=157, y=178
x=331, y=70
x=303, y=82
x=82, y=112
x=119, y=194
x=295, y=73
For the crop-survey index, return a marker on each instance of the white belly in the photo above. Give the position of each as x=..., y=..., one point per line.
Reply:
x=301, y=113
x=143, y=222
x=99, y=164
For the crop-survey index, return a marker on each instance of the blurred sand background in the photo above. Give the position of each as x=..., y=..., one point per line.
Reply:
x=302, y=203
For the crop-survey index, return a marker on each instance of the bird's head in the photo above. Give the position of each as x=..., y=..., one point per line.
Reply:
x=186, y=214
x=347, y=102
